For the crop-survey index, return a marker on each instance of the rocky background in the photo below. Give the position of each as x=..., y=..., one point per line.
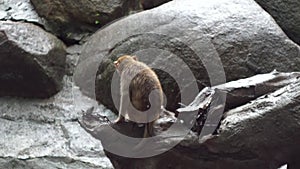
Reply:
x=55, y=65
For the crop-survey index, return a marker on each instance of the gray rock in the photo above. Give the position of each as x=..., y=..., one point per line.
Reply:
x=32, y=61
x=19, y=10
x=73, y=54
x=287, y=15
x=196, y=42
x=148, y=4
x=70, y=19
x=45, y=134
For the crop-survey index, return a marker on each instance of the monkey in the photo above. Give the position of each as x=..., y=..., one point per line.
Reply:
x=141, y=93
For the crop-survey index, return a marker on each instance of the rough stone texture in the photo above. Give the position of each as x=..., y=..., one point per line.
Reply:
x=274, y=118
x=19, y=10
x=71, y=19
x=73, y=54
x=287, y=15
x=32, y=61
x=210, y=106
x=188, y=34
x=45, y=134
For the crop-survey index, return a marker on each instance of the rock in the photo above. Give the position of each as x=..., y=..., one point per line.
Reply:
x=72, y=19
x=32, y=61
x=148, y=4
x=19, y=10
x=287, y=15
x=45, y=133
x=194, y=43
x=73, y=53
x=272, y=118
x=210, y=104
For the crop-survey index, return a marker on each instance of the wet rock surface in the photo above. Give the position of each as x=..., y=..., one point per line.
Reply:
x=45, y=133
x=19, y=10
x=32, y=61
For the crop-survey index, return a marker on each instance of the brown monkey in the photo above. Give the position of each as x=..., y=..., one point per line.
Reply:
x=141, y=93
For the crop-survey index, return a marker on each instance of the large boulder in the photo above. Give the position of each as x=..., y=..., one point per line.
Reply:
x=287, y=15
x=32, y=61
x=69, y=19
x=207, y=38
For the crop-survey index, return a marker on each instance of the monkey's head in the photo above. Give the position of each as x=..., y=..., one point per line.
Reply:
x=123, y=60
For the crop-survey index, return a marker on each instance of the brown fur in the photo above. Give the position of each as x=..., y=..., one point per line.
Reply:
x=141, y=93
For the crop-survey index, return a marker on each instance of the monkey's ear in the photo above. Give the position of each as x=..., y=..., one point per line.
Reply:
x=134, y=57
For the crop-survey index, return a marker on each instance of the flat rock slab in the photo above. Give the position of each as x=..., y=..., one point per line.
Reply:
x=32, y=61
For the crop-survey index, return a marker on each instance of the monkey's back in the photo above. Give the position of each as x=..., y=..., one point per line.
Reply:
x=144, y=87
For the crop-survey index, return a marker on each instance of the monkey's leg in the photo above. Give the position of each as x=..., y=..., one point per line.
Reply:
x=149, y=132
x=123, y=108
